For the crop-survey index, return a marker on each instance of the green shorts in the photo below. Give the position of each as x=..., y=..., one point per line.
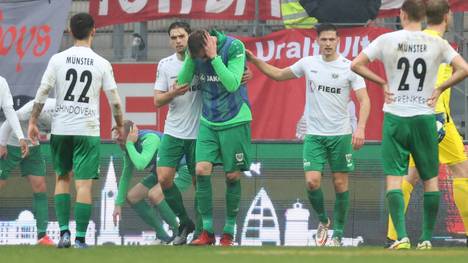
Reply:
x=404, y=135
x=229, y=147
x=336, y=149
x=183, y=179
x=78, y=153
x=33, y=164
x=173, y=149
x=149, y=181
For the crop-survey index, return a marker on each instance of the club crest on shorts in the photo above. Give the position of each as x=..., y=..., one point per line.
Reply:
x=349, y=159
x=239, y=157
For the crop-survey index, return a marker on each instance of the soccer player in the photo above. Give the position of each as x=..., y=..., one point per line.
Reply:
x=140, y=149
x=451, y=148
x=181, y=127
x=6, y=104
x=31, y=166
x=329, y=137
x=218, y=61
x=411, y=59
x=78, y=75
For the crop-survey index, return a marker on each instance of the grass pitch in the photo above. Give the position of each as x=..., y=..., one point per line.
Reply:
x=153, y=254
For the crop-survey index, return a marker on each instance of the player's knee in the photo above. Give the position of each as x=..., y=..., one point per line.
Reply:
x=232, y=177
x=2, y=183
x=165, y=180
x=341, y=185
x=155, y=195
x=39, y=186
x=312, y=183
x=83, y=186
x=431, y=185
x=203, y=169
x=132, y=198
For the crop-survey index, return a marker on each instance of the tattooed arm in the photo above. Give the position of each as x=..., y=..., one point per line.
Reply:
x=33, y=130
x=114, y=100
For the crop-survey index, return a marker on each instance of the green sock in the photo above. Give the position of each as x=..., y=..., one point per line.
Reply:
x=205, y=205
x=316, y=200
x=82, y=217
x=168, y=215
x=183, y=179
x=151, y=217
x=233, y=196
x=431, y=207
x=198, y=219
x=62, y=210
x=173, y=198
x=41, y=212
x=340, y=214
x=396, y=205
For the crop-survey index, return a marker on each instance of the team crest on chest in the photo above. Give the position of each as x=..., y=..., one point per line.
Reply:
x=335, y=75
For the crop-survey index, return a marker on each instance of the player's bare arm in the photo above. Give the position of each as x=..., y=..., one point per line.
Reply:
x=359, y=66
x=248, y=75
x=271, y=71
x=364, y=105
x=116, y=106
x=460, y=68
x=33, y=130
x=162, y=98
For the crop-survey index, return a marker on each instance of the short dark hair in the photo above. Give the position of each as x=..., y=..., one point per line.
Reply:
x=81, y=25
x=179, y=24
x=196, y=41
x=325, y=27
x=436, y=10
x=416, y=9
x=127, y=126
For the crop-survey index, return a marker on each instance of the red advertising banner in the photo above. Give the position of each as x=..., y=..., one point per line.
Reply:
x=108, y=12
x=276, y=106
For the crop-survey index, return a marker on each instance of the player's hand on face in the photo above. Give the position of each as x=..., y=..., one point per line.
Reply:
x=3, y=152
x=180, y=89
x=117, y=214
x=358, y=138
x=210, y=46
x=387, y=94
x=133, y=134
x=24, y=147
x=248, y=75
x=431, y=102
x=33, y=133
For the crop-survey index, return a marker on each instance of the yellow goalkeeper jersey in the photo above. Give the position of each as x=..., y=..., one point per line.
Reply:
x=444, y=73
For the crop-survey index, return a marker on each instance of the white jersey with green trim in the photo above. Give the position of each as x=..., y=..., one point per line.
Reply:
x=6, y=104
x=411, y=60
x=183, y=118
x=44, y=122
x=5, y=95
x=78, y=75
x=328, y=88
